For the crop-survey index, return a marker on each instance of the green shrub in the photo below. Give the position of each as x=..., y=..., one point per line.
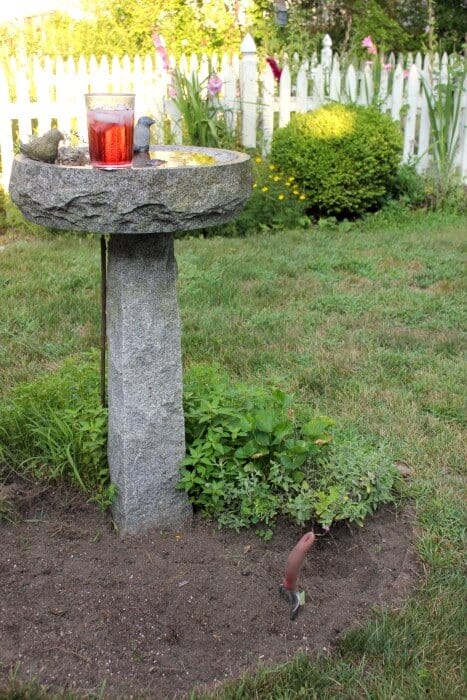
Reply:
x=344, y=157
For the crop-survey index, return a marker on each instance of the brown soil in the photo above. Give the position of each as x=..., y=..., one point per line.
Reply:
x=159, y=614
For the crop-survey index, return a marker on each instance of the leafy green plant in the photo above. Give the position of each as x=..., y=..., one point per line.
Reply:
x=353, y=479
x=343, y=158
x=444, y=101
x=409, y=186
x=253, y=455
x=204, y=121
x=246, y=449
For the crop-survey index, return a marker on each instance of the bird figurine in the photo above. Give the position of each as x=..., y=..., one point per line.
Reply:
x=44, y=148
x=142, y=135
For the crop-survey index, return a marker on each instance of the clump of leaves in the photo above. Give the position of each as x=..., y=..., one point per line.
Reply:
x=444, y=102
x=246, y=449
x=253, y=454
x=349, y=482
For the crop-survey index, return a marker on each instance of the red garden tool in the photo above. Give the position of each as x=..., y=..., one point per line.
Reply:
x=289, y=588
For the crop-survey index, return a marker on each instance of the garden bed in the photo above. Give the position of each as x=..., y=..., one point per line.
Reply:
x=164, y=612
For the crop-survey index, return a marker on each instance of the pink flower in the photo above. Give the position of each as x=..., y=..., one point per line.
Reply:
x=157, y=40
x=159, y=44
x=406, y=73
x=214, y=85
x=367, y=44
x=274, y=66
x=387, y=67
x=369, y=63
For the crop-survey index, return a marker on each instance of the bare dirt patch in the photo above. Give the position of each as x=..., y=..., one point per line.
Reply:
x=156, y=615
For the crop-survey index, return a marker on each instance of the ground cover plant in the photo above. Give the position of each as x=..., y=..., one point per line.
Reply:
x=250, y=459
x=364, y=325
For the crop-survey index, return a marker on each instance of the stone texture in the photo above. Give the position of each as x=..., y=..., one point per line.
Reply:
x=134, y=200
x=146, y=424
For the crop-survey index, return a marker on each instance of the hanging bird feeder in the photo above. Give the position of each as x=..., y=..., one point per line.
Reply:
x=282, y=12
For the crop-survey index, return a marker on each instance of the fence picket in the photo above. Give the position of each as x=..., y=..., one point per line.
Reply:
x=249, y=91
x=350, y=85
x=302, y=87
x=461, y=160
x=397, y=92
x=317, y=93
x=425, y=128
x=267, y=108
x=413, y=86
x=335, y=80
x=284, y=96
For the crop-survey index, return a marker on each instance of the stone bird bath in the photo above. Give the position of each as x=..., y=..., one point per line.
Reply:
x=140, y=208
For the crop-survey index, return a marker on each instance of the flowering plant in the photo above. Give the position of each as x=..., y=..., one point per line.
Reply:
x=275, y=68
x=204, y=120
x=276, y=202
x=379, y=70
x=444, y=100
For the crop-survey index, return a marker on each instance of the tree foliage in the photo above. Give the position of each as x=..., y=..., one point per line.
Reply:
x=118, y=27
x=398, y=25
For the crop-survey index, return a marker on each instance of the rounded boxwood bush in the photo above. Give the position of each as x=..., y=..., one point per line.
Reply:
x=344, y=157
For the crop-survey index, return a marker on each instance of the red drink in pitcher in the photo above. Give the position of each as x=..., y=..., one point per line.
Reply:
x=110, y=130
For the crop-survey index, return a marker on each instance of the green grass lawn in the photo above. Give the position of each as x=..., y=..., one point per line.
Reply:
x=368, y=326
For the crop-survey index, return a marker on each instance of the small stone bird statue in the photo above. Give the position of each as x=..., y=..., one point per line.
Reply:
x=142, y=135
x=44, y=148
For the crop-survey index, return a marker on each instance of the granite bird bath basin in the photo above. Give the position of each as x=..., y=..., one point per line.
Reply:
x=140, y=208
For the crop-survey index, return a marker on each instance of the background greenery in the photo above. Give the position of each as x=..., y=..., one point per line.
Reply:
x=116, y=27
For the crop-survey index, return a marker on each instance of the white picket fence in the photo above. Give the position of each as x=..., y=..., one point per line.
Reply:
x=39, y=93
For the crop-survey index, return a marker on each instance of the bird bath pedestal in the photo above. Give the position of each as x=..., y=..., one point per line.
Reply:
x=140, y=208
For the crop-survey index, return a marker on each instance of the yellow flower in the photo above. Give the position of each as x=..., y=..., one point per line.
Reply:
x=288, y=184
x=272, y=167
x=290, y=179
x=258, y=159
x=281, y=196
x=276, y=178
x=296, y=192
x=255, y=184
x=302, y=197
x=264, y=189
